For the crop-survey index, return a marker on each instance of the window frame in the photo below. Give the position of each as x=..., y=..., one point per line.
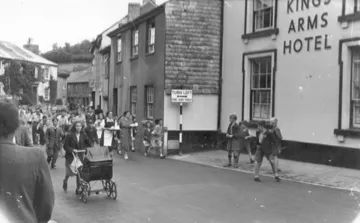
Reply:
x=254, y=11
x=149, y=104
x=133, y=45
x=259, y=89
x=354, y=50
x=150, y=46
x=354, y=15
x=133, y=99
x=249, y=21
x=119, y=50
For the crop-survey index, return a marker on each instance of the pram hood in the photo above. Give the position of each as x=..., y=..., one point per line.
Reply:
x=98, y=153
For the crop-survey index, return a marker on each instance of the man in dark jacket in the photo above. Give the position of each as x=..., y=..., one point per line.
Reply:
x=53, y=137
x=26, y=191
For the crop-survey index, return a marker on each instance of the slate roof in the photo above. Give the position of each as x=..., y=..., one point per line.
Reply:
x=13, y=52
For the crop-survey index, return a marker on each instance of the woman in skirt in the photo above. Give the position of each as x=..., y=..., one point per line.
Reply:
x=76, y=140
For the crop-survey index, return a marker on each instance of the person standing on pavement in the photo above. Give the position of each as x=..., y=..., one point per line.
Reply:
x=100, y=125
x=26, y=190
x=76, y=140
x=278, y=140
x=157, y=137
x=54, y=137
x=125, y=137
x=233, y=142
x=147, y=137
x=266, y=148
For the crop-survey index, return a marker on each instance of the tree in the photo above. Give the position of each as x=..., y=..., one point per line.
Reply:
x=79, y=52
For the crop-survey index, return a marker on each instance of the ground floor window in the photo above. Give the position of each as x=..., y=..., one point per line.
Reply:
x=355, y=87
x=149, y=102
x=133, y=99
x=261, y=88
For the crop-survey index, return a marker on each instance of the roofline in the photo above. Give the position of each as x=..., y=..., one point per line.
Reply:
x=27, y=61
x=138, y=20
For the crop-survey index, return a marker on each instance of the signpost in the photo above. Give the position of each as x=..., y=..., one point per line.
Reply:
x=181, y=96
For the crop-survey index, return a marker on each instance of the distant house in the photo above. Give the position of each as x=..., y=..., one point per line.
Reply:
x=80, y=86
x=45, y=70
x=101, y=63
x=176, y=44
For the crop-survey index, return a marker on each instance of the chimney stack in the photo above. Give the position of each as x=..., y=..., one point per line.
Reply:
x=133, y=10
x=147, y=1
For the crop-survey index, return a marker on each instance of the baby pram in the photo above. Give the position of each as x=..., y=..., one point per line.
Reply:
x=97, y=166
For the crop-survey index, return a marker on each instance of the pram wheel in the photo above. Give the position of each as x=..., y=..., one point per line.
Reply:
x=107, y=187
x=85, y=192
x=113, y=191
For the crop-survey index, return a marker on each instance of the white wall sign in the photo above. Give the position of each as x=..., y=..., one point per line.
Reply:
x=181, y=96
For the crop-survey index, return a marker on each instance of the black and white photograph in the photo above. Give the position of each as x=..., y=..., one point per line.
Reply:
x=180, y=111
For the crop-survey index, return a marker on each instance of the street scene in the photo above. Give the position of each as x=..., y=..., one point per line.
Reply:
x=180, y=111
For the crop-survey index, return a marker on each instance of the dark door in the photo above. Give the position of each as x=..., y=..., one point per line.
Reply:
x=100, y=101
x=115, y=101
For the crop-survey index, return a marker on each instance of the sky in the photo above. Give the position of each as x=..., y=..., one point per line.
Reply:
x=58, y=21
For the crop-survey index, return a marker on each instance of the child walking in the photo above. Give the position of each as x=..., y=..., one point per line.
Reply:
x=157, y=137
x=147, y=137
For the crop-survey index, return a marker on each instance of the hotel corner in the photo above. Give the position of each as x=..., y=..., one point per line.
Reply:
x=297, y=60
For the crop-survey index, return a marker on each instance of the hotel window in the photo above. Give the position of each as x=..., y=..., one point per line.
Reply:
x=133, y=99
x=355, y=88
x=261, y=88
x=263, y=14
x=150, y=48
x=119, y=48
x=149, y=102
x=350, y=11
x=135, y=43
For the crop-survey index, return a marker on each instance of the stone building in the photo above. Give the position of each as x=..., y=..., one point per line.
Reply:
x=176, y=44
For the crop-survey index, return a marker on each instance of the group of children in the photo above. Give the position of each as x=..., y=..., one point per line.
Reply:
x=153, y=137
x=267, y=141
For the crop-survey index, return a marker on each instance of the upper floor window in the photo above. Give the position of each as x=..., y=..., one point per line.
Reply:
x=150, y=48
x=260, y=18
x=119, y=48
x=350, y=11
x=135, y=43
x=263, y=14
x=107, y=65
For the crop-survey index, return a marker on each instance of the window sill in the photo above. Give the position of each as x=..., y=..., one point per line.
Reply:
x=259, y=34
x=150, y=54
x=347, y=132
x=119, y=62
x=134, y=57
x=349, y=17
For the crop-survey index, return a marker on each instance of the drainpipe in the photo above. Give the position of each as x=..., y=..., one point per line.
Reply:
x=221, y=62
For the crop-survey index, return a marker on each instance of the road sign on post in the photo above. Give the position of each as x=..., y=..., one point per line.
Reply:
x=181, y=96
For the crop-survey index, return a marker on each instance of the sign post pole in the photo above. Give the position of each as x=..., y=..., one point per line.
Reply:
x=181, y=96
x=180, y=129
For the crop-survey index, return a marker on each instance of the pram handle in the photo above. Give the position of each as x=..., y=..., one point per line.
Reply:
x=79, y=151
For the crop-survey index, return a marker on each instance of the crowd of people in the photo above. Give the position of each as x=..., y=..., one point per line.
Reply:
x=267, y=142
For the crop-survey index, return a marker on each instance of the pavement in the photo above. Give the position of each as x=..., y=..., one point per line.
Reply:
x=174, y=191
x=309, y=173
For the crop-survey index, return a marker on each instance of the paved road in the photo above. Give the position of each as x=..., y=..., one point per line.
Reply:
x=167, y=191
